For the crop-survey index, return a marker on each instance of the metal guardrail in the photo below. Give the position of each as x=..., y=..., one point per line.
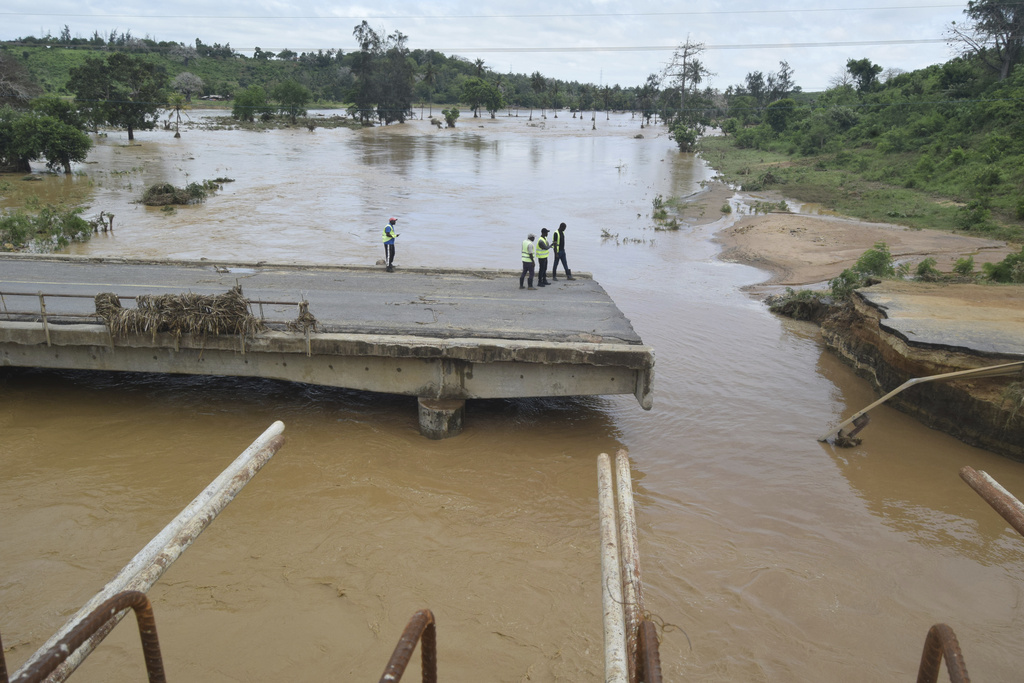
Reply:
x=40, y=314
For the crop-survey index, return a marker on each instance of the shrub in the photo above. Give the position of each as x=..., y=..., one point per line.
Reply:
x=964, y=266
x=685, y=136
x=842, y=286
x=973, y=216
x=1010, y=269
x=52, y=228
x=450, y=116
x=876, y=261
x=165, y=194
x=927, y=271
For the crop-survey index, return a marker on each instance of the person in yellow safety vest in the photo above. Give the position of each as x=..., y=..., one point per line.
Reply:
x=389, y=244
x=559, y=248
x=542, y=258
x=528, y=251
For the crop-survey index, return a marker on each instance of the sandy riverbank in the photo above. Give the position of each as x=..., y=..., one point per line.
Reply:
x=804, y=249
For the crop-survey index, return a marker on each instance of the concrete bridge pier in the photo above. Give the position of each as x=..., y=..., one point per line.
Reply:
x=441, y=418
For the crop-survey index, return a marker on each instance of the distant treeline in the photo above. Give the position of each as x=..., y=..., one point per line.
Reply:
x=330, y=75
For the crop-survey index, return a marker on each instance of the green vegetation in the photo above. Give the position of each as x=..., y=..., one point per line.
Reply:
x=942, y=147
x=31, y=135
x=165, y=194
x=1010, y=269
x=48, y=228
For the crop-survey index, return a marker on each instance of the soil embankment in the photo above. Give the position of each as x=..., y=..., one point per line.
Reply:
x=800, y=250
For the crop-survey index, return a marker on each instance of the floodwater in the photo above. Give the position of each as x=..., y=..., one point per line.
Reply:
x=766, y=555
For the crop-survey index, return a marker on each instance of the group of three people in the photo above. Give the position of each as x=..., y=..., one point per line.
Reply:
x=540, y=250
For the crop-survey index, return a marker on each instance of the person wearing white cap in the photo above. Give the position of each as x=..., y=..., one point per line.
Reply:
x=528, y=251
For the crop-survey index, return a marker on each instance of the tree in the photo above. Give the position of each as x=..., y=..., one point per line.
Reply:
x=477, y=92
x=430, y=78
x=60, y=109
x=50, y=138
x=187, y=83
x=176, y=102
x=384, y=76
x=995, y=34
x=864, y=73
x=250, y=103
x=394, y=99
x=538, y=83
x=647, y=97
x=779, y=113
x=365, y=93
x=124, y=90
x=27, y=136
x=292, y=98
x=16, y=85
x=685, y=72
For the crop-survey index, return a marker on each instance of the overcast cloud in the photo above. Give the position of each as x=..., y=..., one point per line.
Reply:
x=595, y=41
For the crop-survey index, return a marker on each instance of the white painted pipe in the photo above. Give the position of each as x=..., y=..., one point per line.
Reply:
x=153, y=560
x=629, y=549
x=611, y=583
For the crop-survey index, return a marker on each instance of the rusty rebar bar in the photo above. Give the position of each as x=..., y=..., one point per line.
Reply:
x=648, y=655
x=95, y=623
x=941, y=642
x=3, y=664
x=1001, y=500
x=421, y=626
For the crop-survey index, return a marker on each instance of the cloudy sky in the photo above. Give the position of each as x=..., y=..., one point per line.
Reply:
x=597, y=41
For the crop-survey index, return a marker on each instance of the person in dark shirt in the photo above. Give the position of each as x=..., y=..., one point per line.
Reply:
x=558, y=245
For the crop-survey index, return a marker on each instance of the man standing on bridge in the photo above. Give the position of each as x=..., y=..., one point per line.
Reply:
x=528, y=251
x=542, y=259
x=558, y=245
x=389, y=244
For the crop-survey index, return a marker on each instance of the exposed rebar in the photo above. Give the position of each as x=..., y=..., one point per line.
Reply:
x=420, y=627
x=941, y=642
x=649, y=665
x=95, y=623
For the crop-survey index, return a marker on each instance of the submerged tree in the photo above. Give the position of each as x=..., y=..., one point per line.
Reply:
x=685, y=72
x=28, y=136
x=292, y=98
x=123, y=90
x=250, y=103
x=384, y=76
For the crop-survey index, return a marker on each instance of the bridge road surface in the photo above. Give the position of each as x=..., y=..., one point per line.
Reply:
x=357, y=300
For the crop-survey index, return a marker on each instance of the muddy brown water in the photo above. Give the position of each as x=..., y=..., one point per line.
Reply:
x=767, y=555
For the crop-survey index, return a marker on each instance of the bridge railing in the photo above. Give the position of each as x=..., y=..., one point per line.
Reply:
x=70, y=308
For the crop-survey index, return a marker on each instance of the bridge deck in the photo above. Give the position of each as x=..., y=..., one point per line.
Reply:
x=358, y=300
x=440, y=335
